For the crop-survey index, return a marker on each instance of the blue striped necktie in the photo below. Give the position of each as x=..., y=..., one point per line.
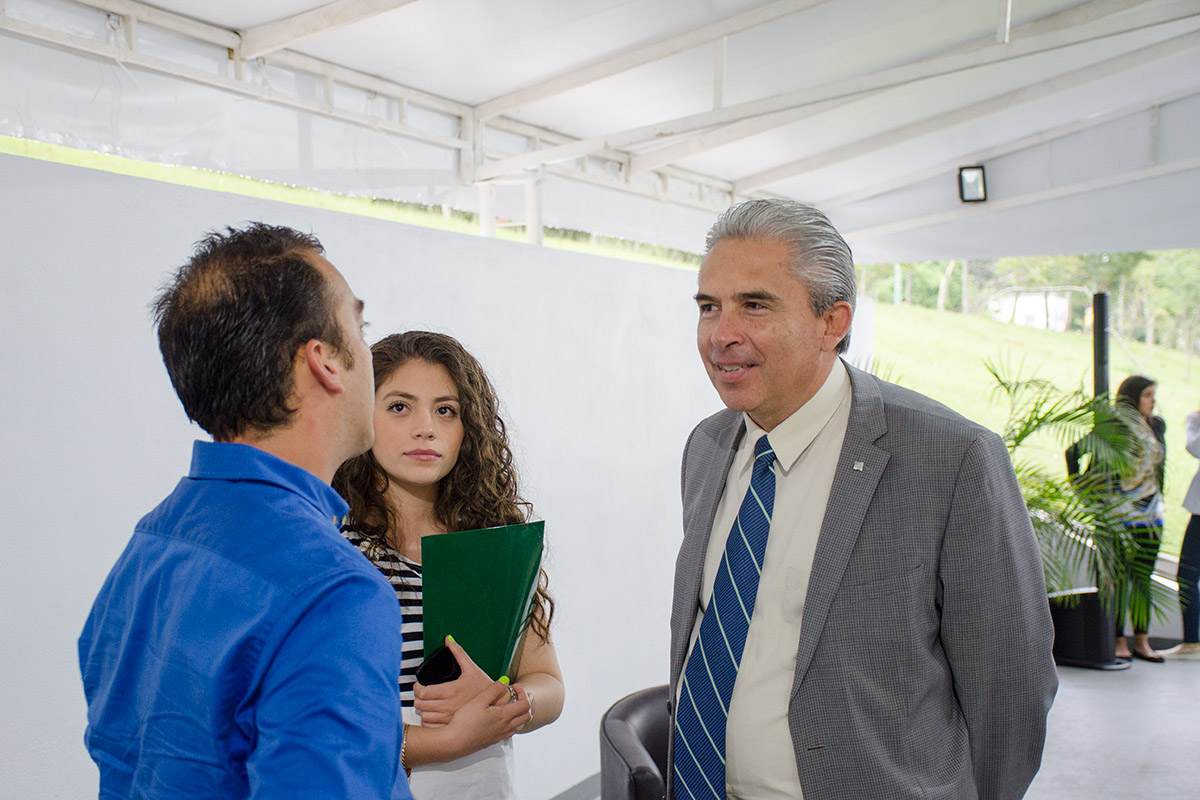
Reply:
x=712, y=667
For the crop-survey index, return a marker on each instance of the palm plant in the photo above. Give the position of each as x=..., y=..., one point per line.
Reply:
x=1079, y=522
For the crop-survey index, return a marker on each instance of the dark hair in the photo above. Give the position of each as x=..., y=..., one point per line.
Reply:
x=232, y=319
x=480, y=491
x=1130, y=391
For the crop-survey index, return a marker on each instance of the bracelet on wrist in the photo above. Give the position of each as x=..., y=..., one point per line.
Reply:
x=404, y=749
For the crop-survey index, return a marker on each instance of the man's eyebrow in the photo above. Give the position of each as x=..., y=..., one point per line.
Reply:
x=359, y=305
x=760, y=294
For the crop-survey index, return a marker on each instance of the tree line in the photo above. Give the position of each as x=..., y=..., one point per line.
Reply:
x=1154, y=297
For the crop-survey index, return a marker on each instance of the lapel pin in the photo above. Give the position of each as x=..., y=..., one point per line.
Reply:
x=858, y=466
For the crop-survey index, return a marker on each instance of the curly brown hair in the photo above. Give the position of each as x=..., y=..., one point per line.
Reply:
x=480, y=491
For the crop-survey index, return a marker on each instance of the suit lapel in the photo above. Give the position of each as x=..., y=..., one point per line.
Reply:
x=714, y=482
x=696, y=539
x=859, y=468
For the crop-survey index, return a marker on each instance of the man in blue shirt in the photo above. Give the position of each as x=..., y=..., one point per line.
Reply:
x=240, y=648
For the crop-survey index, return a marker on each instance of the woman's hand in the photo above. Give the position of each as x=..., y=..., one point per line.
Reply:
x=437, y=704
x=489, y=717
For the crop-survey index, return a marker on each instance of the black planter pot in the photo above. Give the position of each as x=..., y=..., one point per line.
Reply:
x=1083, y=630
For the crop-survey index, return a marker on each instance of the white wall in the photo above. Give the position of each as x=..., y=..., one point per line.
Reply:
x=594, y=360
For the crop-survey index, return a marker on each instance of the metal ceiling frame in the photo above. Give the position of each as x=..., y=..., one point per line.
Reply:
x=1029, y=198
x=980, y=156
x=978, y=54
x=625, y=162
x=237, y=75
x=1152, y=169
x=281, y=34
x=964, y=57
x=972, y=111
x=246, y=76
x=641, y=56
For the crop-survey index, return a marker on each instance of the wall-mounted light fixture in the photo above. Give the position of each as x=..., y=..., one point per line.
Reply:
x=972, y=187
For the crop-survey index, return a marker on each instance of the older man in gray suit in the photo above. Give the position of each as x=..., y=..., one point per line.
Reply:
x=859, y=605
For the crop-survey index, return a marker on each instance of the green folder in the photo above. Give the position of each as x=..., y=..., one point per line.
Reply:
x=478, y=586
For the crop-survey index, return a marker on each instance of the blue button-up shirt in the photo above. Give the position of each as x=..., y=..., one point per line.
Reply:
x=241, y=648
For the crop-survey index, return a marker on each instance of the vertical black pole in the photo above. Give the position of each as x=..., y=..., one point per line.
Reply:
x=1100, y=342
x=1100, y=628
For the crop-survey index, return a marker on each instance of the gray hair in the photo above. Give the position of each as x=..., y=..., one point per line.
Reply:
x=821, y=259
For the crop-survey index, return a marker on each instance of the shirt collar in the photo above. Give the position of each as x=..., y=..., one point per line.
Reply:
x=229, y=461
x=790, y=438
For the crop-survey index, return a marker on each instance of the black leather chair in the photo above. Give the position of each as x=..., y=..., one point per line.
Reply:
x=633, y=747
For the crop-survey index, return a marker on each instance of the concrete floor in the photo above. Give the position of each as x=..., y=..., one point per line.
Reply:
x=1132, y=734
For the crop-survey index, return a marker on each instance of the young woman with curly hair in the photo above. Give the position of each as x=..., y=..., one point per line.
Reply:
x=441, y=462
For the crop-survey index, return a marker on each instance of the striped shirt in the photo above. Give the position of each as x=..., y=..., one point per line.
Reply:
x=405, y=576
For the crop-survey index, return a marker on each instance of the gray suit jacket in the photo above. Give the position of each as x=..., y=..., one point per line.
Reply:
x=924, y=665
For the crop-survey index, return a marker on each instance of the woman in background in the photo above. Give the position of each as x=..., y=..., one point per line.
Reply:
x=1188, y=575
x=441, y=462
x=1141, y=492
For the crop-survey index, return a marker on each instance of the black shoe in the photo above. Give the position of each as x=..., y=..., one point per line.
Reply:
x=1154, y=659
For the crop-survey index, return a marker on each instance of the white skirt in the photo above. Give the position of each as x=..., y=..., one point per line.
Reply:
x=483, y=775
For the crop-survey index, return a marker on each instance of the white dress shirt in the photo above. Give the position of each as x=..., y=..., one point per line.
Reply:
x=760, y=761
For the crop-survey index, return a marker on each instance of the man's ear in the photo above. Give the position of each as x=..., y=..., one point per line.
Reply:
x=837, y=324
x=322, y=363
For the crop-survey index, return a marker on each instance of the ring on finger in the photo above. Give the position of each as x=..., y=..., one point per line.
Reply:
x=512, y=694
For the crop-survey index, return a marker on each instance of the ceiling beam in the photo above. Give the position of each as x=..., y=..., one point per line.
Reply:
x=371, y=83
x=733, y=132
x=167, y=20
x=715, y=189
x=223, y=37
x=1078, y=14
x=728, y=134
x=982, y=156
x=121, y=55
x=710, y=183
x=1003, y=21
x=719, y=59
x=641, y=56
x=1030, y=198
x=269, y=37
x=939, y=65
x=1075, y=15
x=958, y=116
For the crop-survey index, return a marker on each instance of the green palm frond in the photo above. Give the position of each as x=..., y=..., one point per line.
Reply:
x=1079, y=524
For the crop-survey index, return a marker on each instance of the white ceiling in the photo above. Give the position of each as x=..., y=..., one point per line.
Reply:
x=1085, y=118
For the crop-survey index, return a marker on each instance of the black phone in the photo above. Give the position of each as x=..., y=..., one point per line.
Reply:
x=440, y=667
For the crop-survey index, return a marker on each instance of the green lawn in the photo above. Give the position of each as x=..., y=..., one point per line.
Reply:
x=942, y=355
